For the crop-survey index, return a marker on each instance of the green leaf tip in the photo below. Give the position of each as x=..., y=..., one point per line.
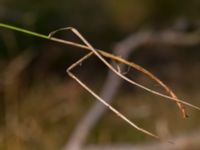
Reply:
x=23, y=31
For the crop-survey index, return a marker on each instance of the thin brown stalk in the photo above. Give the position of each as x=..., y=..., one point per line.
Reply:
x=131, y=64
x=98, y=54
x=103, y=101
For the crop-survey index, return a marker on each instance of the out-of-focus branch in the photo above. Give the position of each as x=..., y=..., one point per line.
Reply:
x=174, y=38
x=112, y=83
x=109, y=90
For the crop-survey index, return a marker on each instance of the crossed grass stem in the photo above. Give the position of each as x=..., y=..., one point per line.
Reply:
x=95, y=52
x=100, y=54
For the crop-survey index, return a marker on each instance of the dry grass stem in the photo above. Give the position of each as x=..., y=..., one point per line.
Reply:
x=100, y=55
x=132, y=65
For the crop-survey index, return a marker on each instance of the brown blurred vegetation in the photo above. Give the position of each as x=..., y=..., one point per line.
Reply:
x=40, y=104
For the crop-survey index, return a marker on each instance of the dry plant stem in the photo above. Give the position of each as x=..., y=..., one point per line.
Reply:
x=96, y=52
x=111, y=68
x=101, y=100
x=93, y=51
x=118, y=59
x=109, y=90
x=167, y=89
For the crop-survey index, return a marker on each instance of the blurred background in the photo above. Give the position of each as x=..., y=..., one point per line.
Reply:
x=40, y=106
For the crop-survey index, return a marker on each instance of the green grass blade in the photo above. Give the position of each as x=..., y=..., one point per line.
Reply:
x=23, y=30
